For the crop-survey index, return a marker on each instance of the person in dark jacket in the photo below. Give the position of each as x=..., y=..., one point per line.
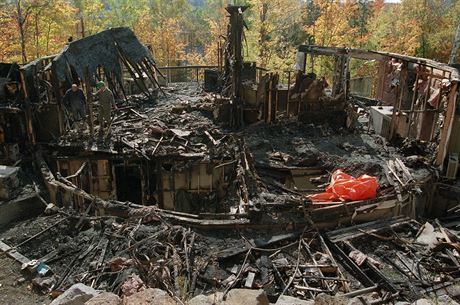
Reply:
x=75, y=100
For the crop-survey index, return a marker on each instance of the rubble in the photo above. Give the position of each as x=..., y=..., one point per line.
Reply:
x=287, y=300
x=321, y=262
x=75, y=295
x=104, y=298
x=234, y=297
x=149, y=296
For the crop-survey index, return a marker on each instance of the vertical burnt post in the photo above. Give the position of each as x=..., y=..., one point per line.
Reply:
x=58, y=98
x=27, y=107
x=340, y=74
x=234, y=62
x=89, y=101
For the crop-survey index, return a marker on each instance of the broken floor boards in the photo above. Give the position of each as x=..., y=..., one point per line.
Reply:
x=390, y=253
x=368, y=228
x=11, y=252
x=256, y=243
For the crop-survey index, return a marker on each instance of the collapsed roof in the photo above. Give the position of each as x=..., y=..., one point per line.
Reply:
x=104, y=49
x=105, y=55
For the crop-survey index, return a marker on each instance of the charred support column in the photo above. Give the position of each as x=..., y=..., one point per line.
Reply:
x=234, y=62
x=340, y=74
x=28, y=111
x=89, y=101
x=58, y=98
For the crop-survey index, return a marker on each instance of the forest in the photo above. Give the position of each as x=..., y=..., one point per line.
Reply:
x=189, y=31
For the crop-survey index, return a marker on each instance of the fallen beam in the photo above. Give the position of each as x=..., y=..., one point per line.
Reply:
x=13, y=253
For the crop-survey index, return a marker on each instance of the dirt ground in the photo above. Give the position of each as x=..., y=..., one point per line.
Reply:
x=13, y=293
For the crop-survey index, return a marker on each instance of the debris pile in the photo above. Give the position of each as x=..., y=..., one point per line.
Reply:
x=397, y=259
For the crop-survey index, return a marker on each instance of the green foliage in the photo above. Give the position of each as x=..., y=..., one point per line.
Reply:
x=190, y=31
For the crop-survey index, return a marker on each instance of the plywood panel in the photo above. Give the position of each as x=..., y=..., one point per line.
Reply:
x=402, y=125
x=103, y=168
x=105, y=195
x=63, y=165
x=105, y=184
x=205, y=178
x=165, y=181
x=75, y=166
x=180, y=181
x=168, y=200
x=194, y=183
x=250, y=96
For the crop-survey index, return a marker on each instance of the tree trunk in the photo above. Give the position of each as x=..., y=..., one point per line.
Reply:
x=82, y=24
x=37, y=37
x=48, y=38
x=263, y=35
x=21, y=22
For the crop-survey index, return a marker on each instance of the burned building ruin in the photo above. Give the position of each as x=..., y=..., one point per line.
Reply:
x=226, y=180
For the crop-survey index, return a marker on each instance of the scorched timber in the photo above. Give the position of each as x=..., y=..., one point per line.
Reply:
x=128, y=209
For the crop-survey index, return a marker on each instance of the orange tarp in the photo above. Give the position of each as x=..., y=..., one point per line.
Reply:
x=345, y=187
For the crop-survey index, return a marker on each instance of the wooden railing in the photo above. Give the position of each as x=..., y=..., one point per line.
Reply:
x=197, y=73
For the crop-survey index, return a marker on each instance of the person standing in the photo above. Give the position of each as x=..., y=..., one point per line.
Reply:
x=74, y=99
x=106, y=101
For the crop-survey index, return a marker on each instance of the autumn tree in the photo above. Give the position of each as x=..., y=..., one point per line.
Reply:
x=215, y=21
x=51, y=27
x=8, y=36
x=93, y=16
x=414, y=27
x=163, y=26
x=275, y=31
x=35, y=27
x=334, y=26
x=182, y=33
x=21, y=11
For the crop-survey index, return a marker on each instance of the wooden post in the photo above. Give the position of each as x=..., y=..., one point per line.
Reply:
x=288, y=93
x=268, y=119
x=144, y=65
x=312, y=59
x=304, y=63
x=234, y=69
x=58, y=97
x=382, y=74
x=414, y=98
x=447, y=126
x=433, y=127
x=422, y=117
x=89, y=101
x=401, y=90
x=27, y=112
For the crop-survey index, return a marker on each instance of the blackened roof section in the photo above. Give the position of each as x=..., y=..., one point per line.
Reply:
x=102, y=49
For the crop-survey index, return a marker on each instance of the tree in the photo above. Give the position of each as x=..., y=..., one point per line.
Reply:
x=8, y=37
x=275, y=30
x=52, y=27
x=93, y=15
x=361, y=22
x=334, y=25
x=22, y=12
